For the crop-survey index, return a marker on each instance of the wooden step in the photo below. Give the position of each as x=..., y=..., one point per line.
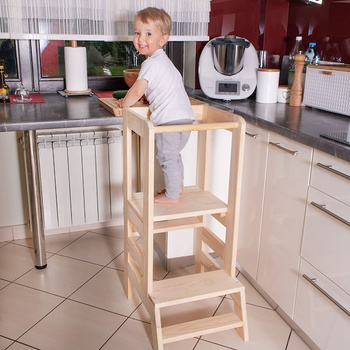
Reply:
x=200, y=327
x=179, y=290
x=194, y=202
x=177, y=224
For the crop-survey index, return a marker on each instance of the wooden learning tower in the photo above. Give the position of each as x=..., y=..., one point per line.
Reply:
x=143, y=218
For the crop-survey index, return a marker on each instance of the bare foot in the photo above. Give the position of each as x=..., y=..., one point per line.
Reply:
x=163, y=191
x=163, y=199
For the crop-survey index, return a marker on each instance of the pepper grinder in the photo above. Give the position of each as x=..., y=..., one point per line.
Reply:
x=297, y=87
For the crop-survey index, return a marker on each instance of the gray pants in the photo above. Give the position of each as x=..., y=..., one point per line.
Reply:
x=169, y=145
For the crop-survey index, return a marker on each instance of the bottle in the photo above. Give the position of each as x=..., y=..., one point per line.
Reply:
x=297, y=48
x=4, y=88
x=311, y=55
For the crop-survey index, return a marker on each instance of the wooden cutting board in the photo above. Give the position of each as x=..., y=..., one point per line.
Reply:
x=110, y=104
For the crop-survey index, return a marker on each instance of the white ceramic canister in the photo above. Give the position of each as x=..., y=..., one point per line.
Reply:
x=267, y=85
x=283, y=95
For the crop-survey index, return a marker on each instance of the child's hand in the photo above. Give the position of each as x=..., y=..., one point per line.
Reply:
x=120, y=103
x=143, y=99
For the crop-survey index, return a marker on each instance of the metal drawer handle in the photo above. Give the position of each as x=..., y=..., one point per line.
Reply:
x=313, y=282
x=278, y=145
x=327, y=72
x=329, y=168
x=254, y=136
x=324, y=209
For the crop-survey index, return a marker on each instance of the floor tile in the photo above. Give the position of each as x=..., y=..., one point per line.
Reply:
x=22, y=307
x=95, y=248
x=115, y=231
x=105, y=291
x=2, y=244
x=117, y=263
x=73, y=326
x=55, y=243
x=19, y=346
x=5, y=343
x=159, y=271
x=62, y=277
x=205, y=345
x=132, y=335
x=295, y=343
x=136, y=335
x=189, y=311
x=267, y=330
x=15, y=260
x=252, y=295
x=3, y=283
x=87, y=267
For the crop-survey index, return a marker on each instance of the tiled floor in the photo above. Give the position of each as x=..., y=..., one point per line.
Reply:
x=78, y=302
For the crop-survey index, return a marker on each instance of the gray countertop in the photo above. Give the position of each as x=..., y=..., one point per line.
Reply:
x=56, y=112
x=302, y=124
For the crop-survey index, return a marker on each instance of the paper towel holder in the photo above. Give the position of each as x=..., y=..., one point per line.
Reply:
x=76, y=74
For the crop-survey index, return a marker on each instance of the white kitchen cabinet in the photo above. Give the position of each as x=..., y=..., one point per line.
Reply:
x=253, y=186
x=13, y=201
x=322, y=306
x=287, y=179
x=317, y=315
x=326, y=240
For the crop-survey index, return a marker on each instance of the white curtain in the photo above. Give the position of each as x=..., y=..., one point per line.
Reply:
x=108, y=20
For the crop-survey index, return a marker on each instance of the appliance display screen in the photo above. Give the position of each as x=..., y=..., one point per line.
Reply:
x=227, y=88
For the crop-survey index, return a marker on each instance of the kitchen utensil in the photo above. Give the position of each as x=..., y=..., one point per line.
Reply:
x=328, y=87
x=228, y=68
x=283, y=94
x=130, y=76
x=21, y=94
x=267, y=86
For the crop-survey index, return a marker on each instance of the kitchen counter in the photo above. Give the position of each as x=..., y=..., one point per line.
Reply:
x=302, y=124
x=56, y=112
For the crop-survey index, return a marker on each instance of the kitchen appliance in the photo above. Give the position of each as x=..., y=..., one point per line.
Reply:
x=228, y=68
x=328, y=87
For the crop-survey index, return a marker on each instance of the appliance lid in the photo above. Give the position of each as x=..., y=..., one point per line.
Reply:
x=231, y=39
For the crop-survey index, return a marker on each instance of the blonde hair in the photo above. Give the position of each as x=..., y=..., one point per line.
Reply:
x=158, y=16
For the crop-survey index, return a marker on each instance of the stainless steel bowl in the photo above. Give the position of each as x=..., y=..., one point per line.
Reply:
x=228, y=53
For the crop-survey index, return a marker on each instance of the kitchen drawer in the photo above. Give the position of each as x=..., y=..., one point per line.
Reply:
x=332, y=176
x=326, y=240
x=318, y=316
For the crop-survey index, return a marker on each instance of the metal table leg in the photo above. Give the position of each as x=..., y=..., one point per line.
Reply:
x=35, y=198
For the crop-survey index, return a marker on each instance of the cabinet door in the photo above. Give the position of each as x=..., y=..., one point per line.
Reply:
x=13, y=202
x=317, y=312
x=326, y=239
x=331, y=175
x=287, y=178
x=253, y=184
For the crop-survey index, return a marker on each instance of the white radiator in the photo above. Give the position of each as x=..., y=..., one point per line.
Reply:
x=81, y=177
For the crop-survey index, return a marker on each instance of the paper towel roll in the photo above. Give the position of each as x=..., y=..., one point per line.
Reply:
x=76, y=69
x=267, y=85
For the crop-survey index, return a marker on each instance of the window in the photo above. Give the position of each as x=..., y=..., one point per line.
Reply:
x=39, y=64
x=8, y=57
x=103, y=58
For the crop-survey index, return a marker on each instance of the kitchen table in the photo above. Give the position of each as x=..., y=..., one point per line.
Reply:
x=55, y=112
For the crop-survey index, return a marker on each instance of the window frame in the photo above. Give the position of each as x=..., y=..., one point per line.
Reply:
x=29, y=69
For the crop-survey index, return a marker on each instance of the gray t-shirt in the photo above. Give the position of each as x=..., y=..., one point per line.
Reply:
x=166, y=94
